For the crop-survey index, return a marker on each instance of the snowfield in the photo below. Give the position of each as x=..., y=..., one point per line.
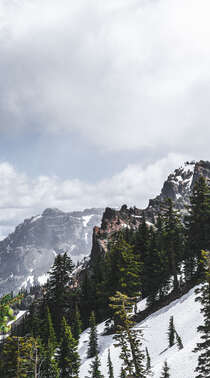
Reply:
x=187, y=317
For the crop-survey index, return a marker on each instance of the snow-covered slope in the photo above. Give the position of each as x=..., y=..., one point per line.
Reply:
x=182, y=363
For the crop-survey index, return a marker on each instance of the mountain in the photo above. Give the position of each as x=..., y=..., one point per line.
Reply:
x=27, y=254
x=187, y=318
x=178, y=187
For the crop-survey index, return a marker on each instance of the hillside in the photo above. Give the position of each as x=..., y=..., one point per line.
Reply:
x=182, y=363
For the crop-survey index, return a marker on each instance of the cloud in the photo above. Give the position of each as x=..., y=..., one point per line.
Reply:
x=21, y=197
x=125, y=75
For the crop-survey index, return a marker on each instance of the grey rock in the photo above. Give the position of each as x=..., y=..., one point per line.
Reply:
x=27, y=254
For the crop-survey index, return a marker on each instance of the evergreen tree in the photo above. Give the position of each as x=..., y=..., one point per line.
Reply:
x=110, y=366
x=95, y=368
x=173, y=237
x=128, y=339
x=20, y=357
x=179, y=341
x=57, y=289
x=165, y=371
x=148, y=363
x=198, y=228
x=123, y=373
x=49, y=367
x=203, y=367
x=68, y=358
x=93, y=338
x=171, y=332
x=77, y=324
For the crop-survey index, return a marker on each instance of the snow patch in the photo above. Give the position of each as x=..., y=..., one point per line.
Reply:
x=86, y=219
x=43, y=279
x=182, y=363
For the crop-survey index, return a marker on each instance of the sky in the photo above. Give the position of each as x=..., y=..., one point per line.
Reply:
x=99, y=101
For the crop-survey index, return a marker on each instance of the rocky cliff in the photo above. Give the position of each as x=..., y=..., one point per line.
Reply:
x=27, y=254
x=178, y=187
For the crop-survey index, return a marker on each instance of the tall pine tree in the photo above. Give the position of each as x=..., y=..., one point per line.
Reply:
x=203, y=347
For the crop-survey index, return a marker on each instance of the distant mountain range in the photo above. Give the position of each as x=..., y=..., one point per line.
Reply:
x=27, y=254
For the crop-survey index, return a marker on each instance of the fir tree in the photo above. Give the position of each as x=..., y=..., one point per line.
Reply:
x=128, y=339
x=110, y=366
x=95, y=368
x=165, y=371
x=173, y=236
x=77, y=324
x=93, y=338
x=68, y=358
x=203, y=367
x=123, y=373
x=57, y=289
x=20, y=357
x=148, y=363
x=171, y=332
x=179, y=341
x=197, y=224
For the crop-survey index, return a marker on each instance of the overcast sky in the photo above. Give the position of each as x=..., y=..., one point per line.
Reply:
x=99, y=101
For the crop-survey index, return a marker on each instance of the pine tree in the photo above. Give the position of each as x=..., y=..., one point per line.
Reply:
x=165, y=371
x=148, y=363
x=95, y=368
x=77, y=324
x=179, y=341
x=171, y=332
x=123, y=373
x=93, y=338
x=203, y=367
x=110, y=366
x=68, y=358
x=128, y=339
x=197, y=224
x=57, y=289
x=48, y=367
x=20, y=357
x=173, y=236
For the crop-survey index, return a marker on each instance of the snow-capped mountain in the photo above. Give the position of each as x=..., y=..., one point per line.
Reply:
x=27, y=254
x=187, y=318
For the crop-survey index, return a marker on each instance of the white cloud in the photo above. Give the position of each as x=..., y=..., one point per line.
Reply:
x=123, y=74
x=21, y=197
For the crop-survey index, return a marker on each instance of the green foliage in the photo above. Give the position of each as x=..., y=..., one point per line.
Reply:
x=93, y=337
x=203, y=347
x=20, y=357
x=67, y=356
x=171, y=332
x=165, y=371
x=198, y=229
x=110, y=366
x=148, y=363
x=77, y=324
x=6, y=312
x=95, y=368
x=128, y=339
x=179, y=341
x=58, y=290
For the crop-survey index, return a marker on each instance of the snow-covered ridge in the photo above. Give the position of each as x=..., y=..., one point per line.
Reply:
x=187, y=318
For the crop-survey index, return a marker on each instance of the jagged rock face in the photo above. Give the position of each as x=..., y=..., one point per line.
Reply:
x=27, y=254
x=178, y=187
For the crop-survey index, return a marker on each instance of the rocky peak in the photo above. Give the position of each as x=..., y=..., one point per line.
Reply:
x=178, y=187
